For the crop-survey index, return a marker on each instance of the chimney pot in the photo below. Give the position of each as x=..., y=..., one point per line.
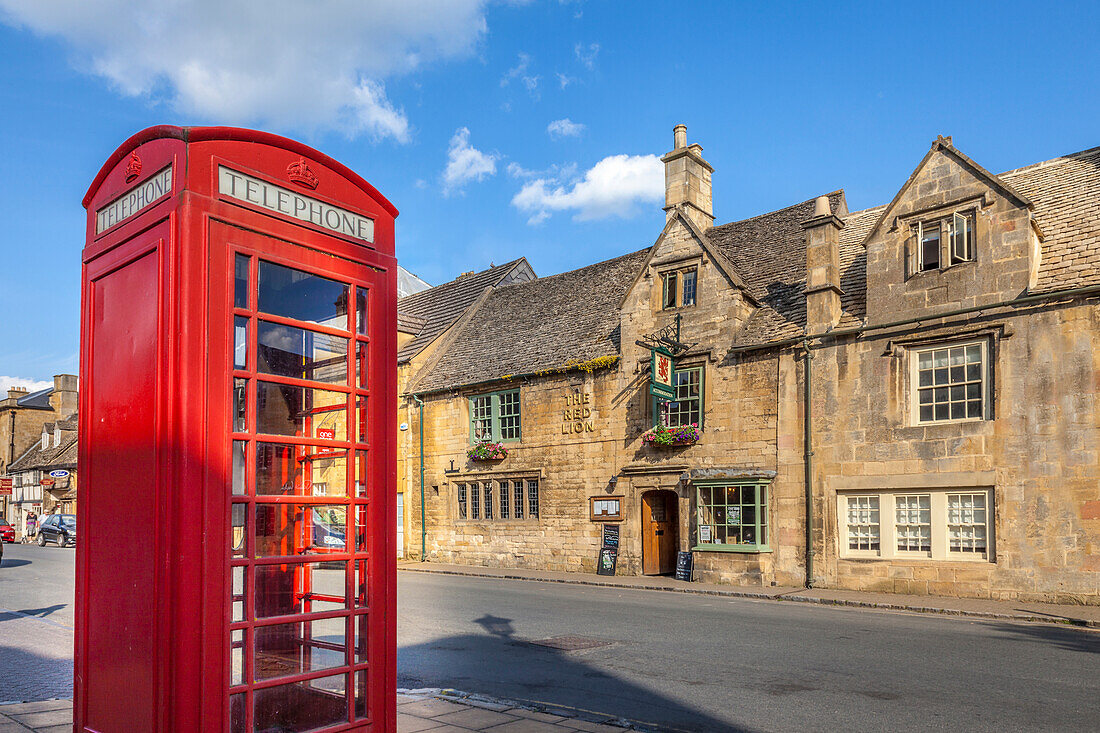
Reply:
x=821, y=206
x=680, y=137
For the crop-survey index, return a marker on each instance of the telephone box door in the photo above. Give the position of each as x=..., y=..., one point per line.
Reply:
x=299, y=504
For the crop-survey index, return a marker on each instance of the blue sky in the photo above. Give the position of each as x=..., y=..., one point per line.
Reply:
x=502, y=129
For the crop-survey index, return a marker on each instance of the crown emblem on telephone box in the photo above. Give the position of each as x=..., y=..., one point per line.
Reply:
x=299, y=173
x=133, y=168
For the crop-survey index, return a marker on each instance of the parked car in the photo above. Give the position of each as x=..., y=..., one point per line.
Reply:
x=59, y=528
x=7, y=532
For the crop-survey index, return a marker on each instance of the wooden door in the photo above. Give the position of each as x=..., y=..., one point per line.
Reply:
x=659, y=536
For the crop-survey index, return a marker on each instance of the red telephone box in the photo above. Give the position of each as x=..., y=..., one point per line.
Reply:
x=236, y=568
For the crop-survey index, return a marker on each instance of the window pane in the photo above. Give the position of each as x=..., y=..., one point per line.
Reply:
x=293, y=529
x=301, y=706
x=532, y=499
x=282, y=409
x=240, y=400
x=966, y=523
x=240, y=281
x=237, y=713
x=914, y=523
x=362, y=637
x=361, y=582
x=293, y=588
x=238, y=451
x=236, y=657
x=361, y=355
x=239, y=530
x=287, y=351
x=360, y=694
x=509, y=415
x=361, y=473
x=237, y=593
x=689, y=288
x=291, y=293
x=504, y=505
x=462, y=501
x=481, y=417
x=300, y=470
x=517, y=490
x=669, y=290
x=488, y=506
x=361, y=310
x=930, y=248
x=240, y=342
x=475, y=500
x=305, y=646
x=957, y=373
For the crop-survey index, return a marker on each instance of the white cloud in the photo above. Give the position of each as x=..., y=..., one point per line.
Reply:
x=466, y=163
x=587, y=54
x=615, y=186
x=564, y=80
x=32, y=385
x=523, y=61
x=564, y=128
x=306, y=66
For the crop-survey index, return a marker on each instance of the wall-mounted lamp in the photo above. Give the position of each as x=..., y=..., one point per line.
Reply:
x=613, y=480
x=452, y=469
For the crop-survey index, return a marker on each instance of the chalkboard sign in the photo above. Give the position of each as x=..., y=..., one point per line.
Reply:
x=611, y=536
x=605, y=564
x=685, y=563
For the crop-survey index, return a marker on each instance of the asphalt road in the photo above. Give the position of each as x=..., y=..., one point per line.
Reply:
x=36, y=622
x=702, y=663
x=675, y=661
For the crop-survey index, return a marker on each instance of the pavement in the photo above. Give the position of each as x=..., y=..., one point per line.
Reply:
x=1018, y=611
x=434, y=710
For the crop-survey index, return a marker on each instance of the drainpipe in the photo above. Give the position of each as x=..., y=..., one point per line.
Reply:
x=423, y=527
x=807, y=441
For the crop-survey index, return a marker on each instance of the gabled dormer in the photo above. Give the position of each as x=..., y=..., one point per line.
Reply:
x=954, y=236
x=683, y=274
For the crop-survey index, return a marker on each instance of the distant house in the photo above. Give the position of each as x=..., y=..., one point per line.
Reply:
x=39, y=428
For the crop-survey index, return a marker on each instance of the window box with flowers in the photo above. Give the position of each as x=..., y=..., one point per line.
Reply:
x=487, y=452
x=662, y=437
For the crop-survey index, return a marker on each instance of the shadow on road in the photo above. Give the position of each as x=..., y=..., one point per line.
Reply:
x=36, y=612
x=13, y=563
x=1073, y=639
x=554, y=678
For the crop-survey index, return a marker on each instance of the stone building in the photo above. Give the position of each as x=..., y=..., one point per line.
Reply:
x=425, y=320
x=25, y=420
x=898, y=399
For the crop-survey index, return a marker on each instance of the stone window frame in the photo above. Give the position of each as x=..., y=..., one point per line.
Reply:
x=947, y=220
x=693, y=367
x=762, y=516
x=679, y=270
x=463, y=509
x=494, y=416
x=939, y=515
x=987, y=373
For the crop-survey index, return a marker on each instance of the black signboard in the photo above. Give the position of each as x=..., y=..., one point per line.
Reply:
x=611, y=536
x=685, y=563
x=605, y=564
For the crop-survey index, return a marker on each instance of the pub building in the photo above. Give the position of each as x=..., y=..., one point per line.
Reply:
x=897, y=399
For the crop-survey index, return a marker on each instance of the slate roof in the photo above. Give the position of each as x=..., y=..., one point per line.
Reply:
x=39, y=400
x=62, y=456
x=1066, y=194
x=538, y=325
x=439, y=307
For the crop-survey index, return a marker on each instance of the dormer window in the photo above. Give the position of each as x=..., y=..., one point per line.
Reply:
x=678, y=288
x=956, y=231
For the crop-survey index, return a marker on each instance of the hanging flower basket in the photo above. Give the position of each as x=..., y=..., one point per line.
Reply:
x=487, y=452
x=662, y=437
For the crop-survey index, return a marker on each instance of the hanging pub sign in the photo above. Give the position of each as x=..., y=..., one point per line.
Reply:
x=662, y=375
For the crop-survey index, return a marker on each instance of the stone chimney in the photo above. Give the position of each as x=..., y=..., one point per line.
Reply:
x=15, y=393
x=687, y=181
x=63, y=400
x=822, y=268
